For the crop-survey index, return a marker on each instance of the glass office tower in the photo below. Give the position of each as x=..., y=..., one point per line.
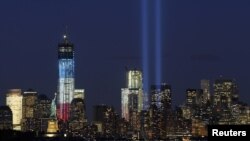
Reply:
x=66, y=78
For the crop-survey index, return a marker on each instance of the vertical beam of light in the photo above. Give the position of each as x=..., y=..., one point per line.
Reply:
x=158, y=44
x=144, y=34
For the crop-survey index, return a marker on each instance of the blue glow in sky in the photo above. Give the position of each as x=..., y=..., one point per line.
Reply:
x=158, y=45
x=145, y=44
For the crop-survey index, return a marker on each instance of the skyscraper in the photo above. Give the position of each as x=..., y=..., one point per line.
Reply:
x=205, y=86
x=225, y=90
x=160, y=110
x=29, y=103
x=106, y=118
x=79, y=93
x=66, y=82
x=194, y=97
x=28, y=110
x=77, y=119
x=161, y=96
x=134, y=79
x=132, y=96
x=14, y=101
x=43, y=112
x=124, y=103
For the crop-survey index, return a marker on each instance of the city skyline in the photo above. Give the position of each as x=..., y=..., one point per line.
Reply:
x=210, y=43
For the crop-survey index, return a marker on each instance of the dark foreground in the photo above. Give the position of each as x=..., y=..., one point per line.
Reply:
x=9, y=135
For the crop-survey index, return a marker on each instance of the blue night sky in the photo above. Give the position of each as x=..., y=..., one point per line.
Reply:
x=200, y=39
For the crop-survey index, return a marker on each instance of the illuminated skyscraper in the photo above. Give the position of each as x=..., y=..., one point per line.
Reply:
x=134, y=79
x=42, y=115
x=66, y=82
x=29, y=103
x=205, y=86
x=194, y=97
x=161, y=96
x=124, y=103
x=28, y=110
x=132, y=96
x=160, y=110
x=77, y=119
x=106, y=119
x=14, y=101
x=79, y=93
x=224, y=92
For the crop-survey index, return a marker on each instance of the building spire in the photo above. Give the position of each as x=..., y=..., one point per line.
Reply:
x=65, y=35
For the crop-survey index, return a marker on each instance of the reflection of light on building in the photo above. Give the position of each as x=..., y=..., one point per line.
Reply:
x=66, y=77
x=14, y=101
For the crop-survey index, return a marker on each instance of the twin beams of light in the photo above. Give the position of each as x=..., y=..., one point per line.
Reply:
x=146, y=42
x=145, y=45
x=158, y=44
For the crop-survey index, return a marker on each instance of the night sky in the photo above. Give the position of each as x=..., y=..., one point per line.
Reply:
x=200, y=39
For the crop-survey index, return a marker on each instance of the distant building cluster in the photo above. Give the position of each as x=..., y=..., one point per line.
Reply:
x=201, y=108
x=144, y=115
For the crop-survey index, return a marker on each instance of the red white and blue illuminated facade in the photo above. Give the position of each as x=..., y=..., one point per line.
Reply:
x=66, y=81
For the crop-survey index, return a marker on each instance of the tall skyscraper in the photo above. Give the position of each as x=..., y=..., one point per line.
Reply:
x=29, y=109
x=132, y=96
x=42, y=115
x=29, y=103
x=160, y=110
x=134, y=79
x=124, y=103
x=14, y=101
x=77, y=119
x=225, y=90
x=161, y=96
x=66, y=82
x=205, y=86
x=105, y=119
